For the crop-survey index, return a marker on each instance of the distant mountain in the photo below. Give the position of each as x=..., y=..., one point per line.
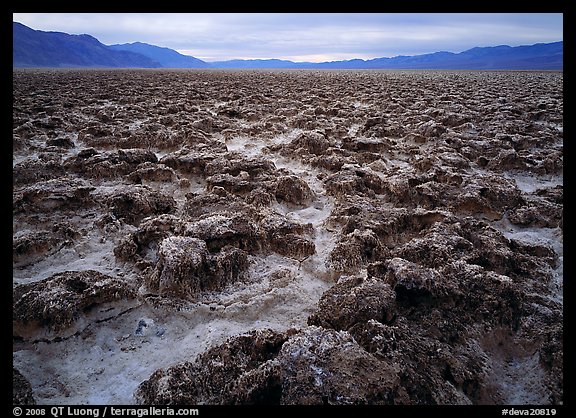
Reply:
x=543, y=56
x=167, y=57
x=258, y=63
x=34, y=48
x=548, y=56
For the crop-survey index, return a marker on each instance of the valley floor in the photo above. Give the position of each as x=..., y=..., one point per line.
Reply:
x=292, y=237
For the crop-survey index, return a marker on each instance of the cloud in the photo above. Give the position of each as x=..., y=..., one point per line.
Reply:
x=318, y=36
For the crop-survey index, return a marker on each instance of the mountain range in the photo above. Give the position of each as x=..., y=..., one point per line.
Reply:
x=167, y=57
x=34, y=48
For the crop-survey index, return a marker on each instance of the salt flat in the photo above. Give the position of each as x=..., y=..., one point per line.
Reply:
x=342, y=237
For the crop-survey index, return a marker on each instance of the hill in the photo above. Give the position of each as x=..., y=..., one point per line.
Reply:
x=34, y=48
x=167, y=57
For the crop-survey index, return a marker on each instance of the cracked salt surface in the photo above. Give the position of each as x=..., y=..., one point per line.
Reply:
x=114, y=360
x=529, y=184
x=105, y=361
x=552, y=237
x=90, y=253
x=316, y=214
x=279, y=293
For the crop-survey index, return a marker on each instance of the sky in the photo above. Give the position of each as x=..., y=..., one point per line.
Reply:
x=313, y=37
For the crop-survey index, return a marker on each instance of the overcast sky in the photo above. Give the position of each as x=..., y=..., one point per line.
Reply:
x=306, y=36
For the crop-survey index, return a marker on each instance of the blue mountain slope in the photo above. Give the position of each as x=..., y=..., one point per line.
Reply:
x=548, y=56
x=32, y=48
x=167, y=57
x=257, y=63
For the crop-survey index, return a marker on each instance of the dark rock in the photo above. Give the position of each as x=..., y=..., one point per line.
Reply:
x=92, y=134
x=316, y=366
x=126, y=249
x=320, y=366
x=329, y=162
x=91, y=164
x=374, y=121
x=538, y=212
x=371, y=180
x=216, y=200
x=414, y=284
x=62, y=194
x=551, y=355
x=292, y=245
x=355, y=250
x=21, y=389
x=231, y=112
x=478, y=294
x=146, y=238
x=33, y=171
x=488, y=195
x=86, y=153
x=136, y=156
x=553, y=194
x=507, y=159
x=234, y=165
x=431, y=129
x=61, y=142
x=227, y=266
x=137, y=202
x=346, y=182
x=153, y=172
x=225, y=228
x=29, y=247
x=491, y=249
x=32, y=246
x=57, y=302
x=353, y=300
x=454, y=120
x=423, y=375
x=552, y=163
x=377, y=145
x=440, y=245
x=236, y=372
x=187, y=162
x=260, y=197
x=312, y=142
x=239, y=184
x=185, y=268
x=181, y=268
x=286, y=237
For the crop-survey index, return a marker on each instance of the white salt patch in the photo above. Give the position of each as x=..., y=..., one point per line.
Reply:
x=159, y=154
x=108, y=361
x=137, y=124
x=353, y=129
x=17, y=159
x=254, y=146
x=522, y=374
x=361, y=105
x=529, y=184
x=247, y=146
x=90, y=252
x=316, y=214
x=318, y=372
x=553, y=237
x=553, y=125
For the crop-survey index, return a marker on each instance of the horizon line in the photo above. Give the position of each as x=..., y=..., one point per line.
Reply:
x=211, y=61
